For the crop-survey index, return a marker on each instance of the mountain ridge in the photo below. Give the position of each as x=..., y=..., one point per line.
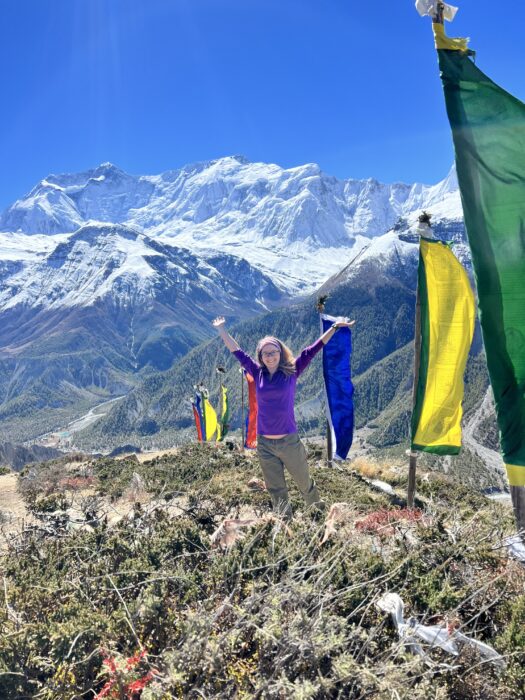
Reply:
x=86, y=314
x=298, y=214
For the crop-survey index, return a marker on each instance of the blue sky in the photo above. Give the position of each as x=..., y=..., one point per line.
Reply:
x=151, y=85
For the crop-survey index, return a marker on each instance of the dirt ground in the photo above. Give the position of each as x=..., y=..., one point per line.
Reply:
x=14, y=516
x=13, y=513
x=11, y=504
x=146, y=456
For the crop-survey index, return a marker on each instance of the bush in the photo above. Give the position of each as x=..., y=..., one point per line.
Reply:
x=279, y=614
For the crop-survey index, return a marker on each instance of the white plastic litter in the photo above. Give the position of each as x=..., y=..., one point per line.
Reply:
x=382, y=485
x=428, y=7
x=516, y=547
x=411, y=632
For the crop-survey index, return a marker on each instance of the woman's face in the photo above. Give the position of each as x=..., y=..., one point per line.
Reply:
x=271, y=357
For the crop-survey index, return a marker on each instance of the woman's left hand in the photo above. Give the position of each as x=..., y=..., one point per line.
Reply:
x=344, y=323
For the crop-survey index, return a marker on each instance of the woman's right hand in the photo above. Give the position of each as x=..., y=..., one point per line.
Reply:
x=219, y=322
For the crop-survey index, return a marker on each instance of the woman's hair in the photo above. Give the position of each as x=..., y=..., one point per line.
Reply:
x=286, y=361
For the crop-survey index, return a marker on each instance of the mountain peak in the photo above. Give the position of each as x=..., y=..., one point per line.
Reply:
x=107, y=166
x=93, y=230
x=73, y=181
x=232, y=204
x=225, y=162
x=109, y=169
x=450, y=183
x=239, y=158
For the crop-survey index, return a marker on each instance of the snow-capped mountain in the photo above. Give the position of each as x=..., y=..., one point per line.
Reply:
x=122, y=264
x=106, y=276
x=297, y=225
x=83, y=314
x=110, y=279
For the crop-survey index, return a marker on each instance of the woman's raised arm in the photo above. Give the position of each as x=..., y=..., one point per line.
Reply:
x=220, y=324
x=342, y=323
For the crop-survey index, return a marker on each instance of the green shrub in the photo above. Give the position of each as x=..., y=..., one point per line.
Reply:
x=279, y=614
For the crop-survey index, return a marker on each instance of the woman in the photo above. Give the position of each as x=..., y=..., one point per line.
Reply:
x=278, y=444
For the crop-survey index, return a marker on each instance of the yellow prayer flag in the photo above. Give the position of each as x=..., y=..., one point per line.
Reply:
x=447, y=327
x=210, y=419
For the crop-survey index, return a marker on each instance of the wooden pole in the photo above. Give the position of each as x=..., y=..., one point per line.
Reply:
x=220, y=371
x=197, y=390
x=412, y=462
x=219, y=415
x=203, y=399
x=438, y=17
x=329, y=446
x=517, y=494
x=411, y=489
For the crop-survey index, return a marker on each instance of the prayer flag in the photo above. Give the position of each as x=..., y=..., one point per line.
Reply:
x=225, y=413
x=447, y=327
x=338, y=387
x=210, y=420
x=197, y=414
x=488, y=128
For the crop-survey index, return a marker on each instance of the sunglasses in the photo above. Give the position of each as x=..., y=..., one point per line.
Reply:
x=273, y=353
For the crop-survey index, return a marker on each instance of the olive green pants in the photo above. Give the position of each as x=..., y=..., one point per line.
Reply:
x=277, y=454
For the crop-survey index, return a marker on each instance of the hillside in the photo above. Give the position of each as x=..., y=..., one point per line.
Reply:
x=16, y=456
x=107, y=278
x=85, y=322
x=380, y=297
x=377, y=292
x=105, y=329
x=125, y=582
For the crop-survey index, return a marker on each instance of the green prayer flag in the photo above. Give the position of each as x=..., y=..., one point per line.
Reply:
x=225, y=412
x=488, y=128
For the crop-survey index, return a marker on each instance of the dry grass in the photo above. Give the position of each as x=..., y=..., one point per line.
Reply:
x=277, y=613
x=385, y=470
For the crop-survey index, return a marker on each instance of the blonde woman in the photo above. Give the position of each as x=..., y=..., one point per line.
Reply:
x=275, y=372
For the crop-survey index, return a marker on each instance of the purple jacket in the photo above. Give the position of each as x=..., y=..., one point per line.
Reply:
x=275, y=395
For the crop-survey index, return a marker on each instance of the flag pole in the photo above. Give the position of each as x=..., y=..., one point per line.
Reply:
x=412, y=462
x=198, y=392
x=329, y=446
x=517, y=494
x=198, y=425
x=424, y=221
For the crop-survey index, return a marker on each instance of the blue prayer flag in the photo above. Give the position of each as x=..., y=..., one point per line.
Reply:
x=338, y=387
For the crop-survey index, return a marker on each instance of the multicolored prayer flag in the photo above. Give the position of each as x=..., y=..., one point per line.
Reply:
x=197, y=414
x=488, y=129
x=447, y=328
